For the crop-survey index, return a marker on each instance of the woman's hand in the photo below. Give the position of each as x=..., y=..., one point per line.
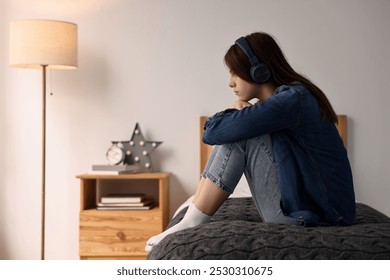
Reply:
x=240, y=105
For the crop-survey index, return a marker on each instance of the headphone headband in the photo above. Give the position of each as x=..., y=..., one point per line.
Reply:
x=259, y=71
x=244, y=45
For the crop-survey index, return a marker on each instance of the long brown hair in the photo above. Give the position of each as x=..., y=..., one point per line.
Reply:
x=267, y=50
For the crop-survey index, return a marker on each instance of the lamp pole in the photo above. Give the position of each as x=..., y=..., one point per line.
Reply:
x=43, y=160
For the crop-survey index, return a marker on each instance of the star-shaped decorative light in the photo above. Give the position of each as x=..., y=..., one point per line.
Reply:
x=138, y=150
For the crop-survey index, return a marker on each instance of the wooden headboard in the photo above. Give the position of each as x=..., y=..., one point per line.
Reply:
x=205, y=150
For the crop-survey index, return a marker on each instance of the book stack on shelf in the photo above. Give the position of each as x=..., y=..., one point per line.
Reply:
x=125, y=202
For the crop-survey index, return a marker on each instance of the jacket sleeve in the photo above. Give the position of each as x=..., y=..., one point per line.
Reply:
x=279, y=112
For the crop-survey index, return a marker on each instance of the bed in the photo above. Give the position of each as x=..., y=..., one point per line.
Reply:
x=236, y=231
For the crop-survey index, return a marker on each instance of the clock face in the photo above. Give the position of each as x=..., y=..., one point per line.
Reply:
x=115, y=155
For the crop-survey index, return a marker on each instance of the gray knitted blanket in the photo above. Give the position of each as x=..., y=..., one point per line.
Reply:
x=237, y=232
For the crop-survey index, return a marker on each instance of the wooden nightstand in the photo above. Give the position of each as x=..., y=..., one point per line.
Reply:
x=121, y=234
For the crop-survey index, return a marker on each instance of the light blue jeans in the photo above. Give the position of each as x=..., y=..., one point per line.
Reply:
x=253, y=158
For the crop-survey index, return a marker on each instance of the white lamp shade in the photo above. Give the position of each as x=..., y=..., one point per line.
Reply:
x=34, y=43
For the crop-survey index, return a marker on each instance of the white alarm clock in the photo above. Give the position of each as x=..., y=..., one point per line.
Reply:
x=115, y=154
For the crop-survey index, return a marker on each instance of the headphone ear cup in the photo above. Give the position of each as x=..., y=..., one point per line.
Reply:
x=260, y=73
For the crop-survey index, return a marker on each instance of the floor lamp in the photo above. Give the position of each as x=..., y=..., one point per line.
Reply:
x=43, y=44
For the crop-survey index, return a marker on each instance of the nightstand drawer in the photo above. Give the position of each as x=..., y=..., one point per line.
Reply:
x=117, y=233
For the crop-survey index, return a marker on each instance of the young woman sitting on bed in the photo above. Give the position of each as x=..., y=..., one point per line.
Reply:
x=286, y=144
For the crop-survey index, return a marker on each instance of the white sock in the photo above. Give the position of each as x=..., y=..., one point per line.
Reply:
x=192, y=218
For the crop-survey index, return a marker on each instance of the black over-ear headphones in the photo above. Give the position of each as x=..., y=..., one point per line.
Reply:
x=260, y=72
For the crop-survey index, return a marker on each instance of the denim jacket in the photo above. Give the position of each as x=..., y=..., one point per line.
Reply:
x=313, y=169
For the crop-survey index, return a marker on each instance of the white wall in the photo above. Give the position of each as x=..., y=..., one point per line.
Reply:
x=2, y=129
x=160, y=63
